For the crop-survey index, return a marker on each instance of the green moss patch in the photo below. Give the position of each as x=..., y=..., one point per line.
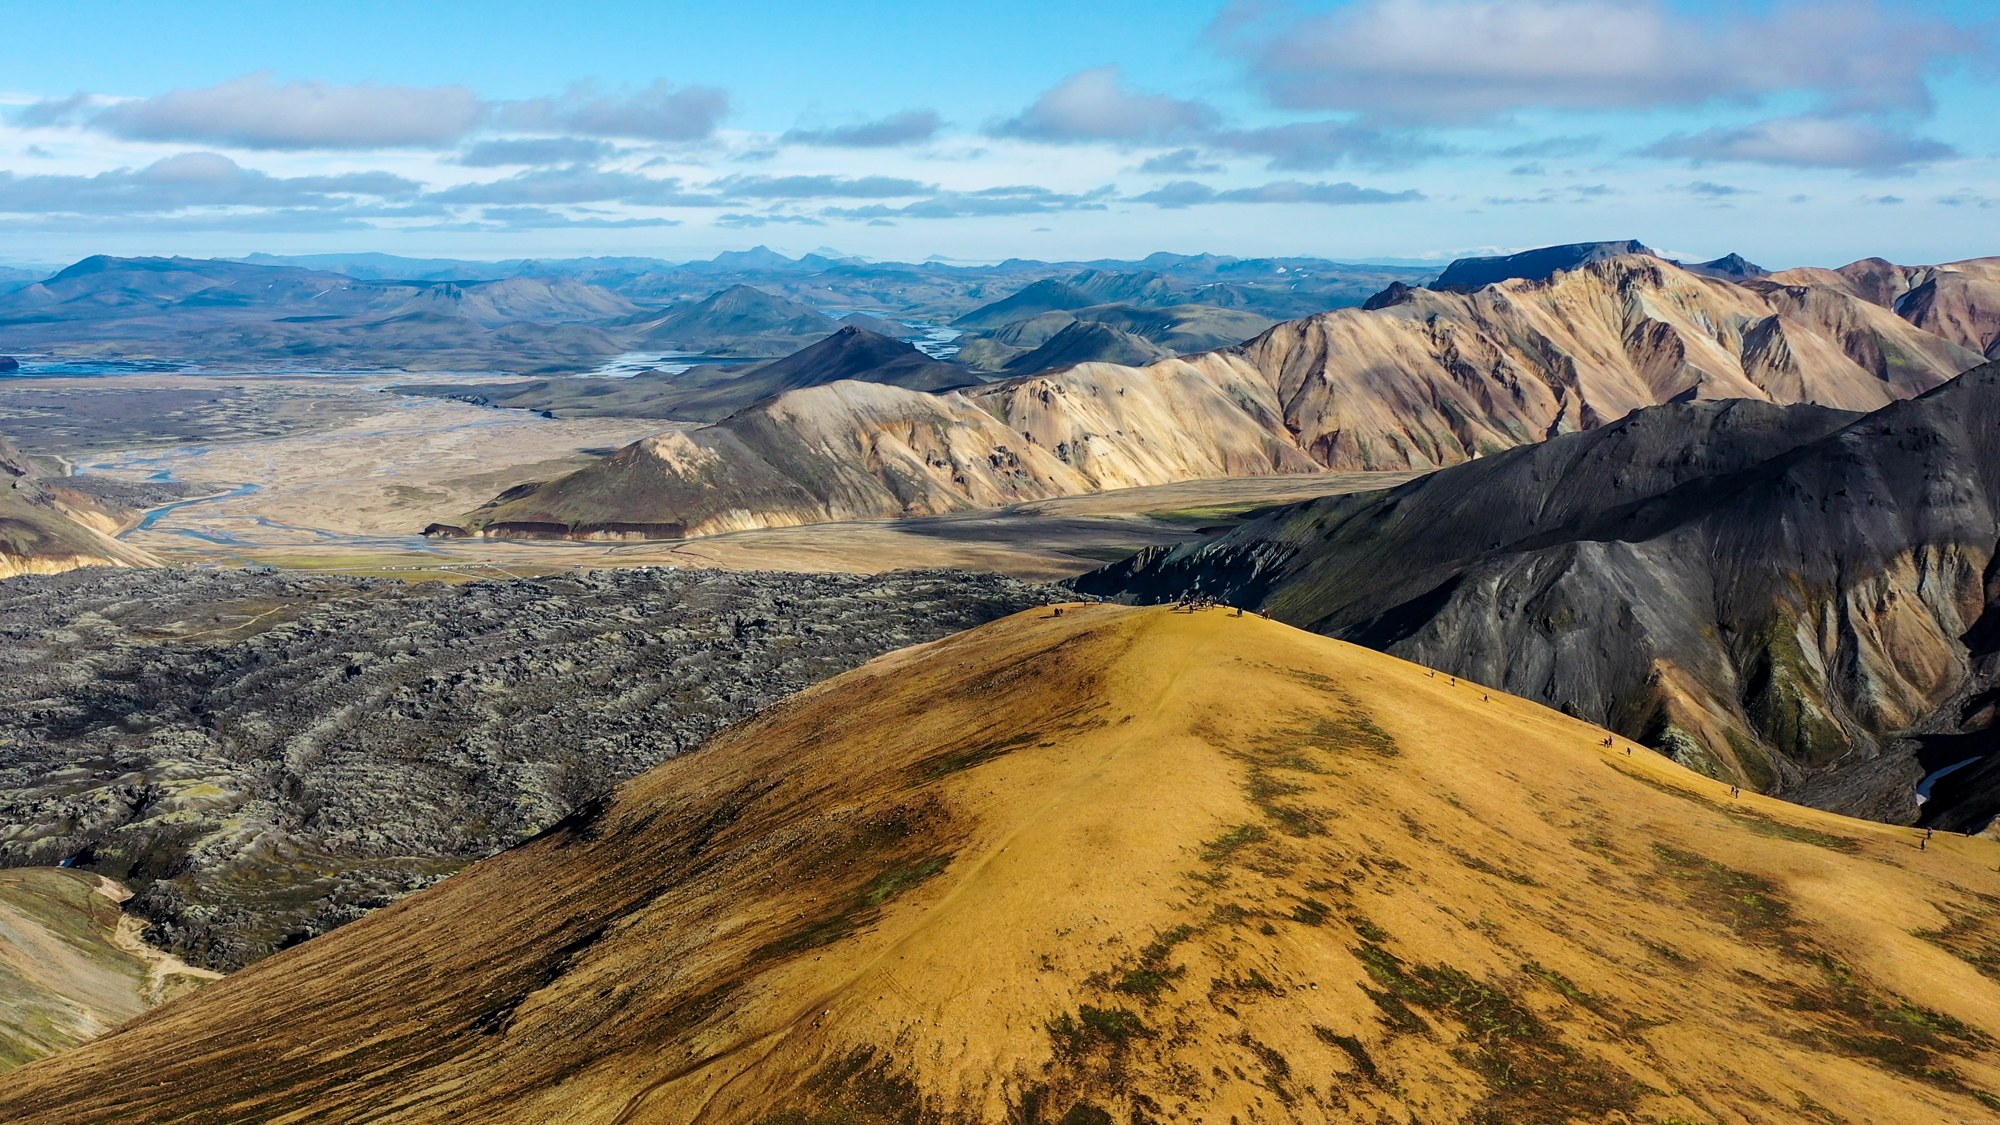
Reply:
x=1095, y=1029
x=1532, y=1076
x=1970, y=938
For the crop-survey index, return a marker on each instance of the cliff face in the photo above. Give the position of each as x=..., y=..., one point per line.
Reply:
x=1769, y=595
x=1419, y=379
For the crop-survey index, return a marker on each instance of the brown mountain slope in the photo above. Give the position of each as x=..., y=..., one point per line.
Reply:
x=48, y=529
x=1122, y=865
x=1958, y=301
x=71, y=966
x=1419, y=379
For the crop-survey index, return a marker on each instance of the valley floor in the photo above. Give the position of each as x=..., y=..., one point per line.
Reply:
x=328, y=473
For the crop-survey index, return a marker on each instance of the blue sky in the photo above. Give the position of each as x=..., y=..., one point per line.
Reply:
x=1809, y=132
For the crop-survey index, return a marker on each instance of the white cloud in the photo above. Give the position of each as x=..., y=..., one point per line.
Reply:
x=577, y=185
x=255, y=112
x=1096, y=105
x=1467, y=60
x=191, y=180
x=659, y=112
x=908, y=127
x=1310, y=146
x=1807, y=142
x=1180, y=162
x=536, y=151
x=819, y=187
x=1188, y=193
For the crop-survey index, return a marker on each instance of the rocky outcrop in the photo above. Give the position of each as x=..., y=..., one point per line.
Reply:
x=1766, y=594
x=1467, y=275
x=1730, y=267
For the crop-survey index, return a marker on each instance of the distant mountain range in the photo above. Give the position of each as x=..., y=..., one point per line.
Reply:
x=527, y=315
x=713, y=392
x=1417, y=379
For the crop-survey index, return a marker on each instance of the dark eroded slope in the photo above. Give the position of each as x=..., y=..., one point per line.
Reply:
x=1762, y=605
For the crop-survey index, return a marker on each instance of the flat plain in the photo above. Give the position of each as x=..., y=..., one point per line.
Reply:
x=332, y=473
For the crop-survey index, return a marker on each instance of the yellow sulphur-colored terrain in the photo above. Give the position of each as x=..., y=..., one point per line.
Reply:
x=71, y=966
x=1124, y=865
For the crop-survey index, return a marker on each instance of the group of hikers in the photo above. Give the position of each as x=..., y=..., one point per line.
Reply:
x=1190, y=602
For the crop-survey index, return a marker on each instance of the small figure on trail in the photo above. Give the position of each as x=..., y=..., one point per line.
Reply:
x=1239, y=611
x=1628, y=751
x=1923, y=845
x=1735, y=792
x=1454, y=681
x=1488, y=697
x=1058, y=612
x=1927, y=833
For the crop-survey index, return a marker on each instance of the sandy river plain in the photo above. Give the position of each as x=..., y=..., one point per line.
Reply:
x=335, y=472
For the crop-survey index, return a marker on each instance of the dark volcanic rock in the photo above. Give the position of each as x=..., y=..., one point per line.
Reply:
x=1729, y=267
x=740, y=321
x=850, y=353
x=1047, y=295
x=1087, y=341
x=266, y=756
x=1812, y=613
x=1468, y=274
x=712, y=392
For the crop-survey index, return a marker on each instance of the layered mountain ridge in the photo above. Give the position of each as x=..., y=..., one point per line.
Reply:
x=1419, y=379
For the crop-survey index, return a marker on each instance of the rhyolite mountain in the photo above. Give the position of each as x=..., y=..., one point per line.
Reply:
x=1420, y=379
x=1126, y=865
x=1959, y=301
x=1791, y=597
x=712, y=392
x=47, y=526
